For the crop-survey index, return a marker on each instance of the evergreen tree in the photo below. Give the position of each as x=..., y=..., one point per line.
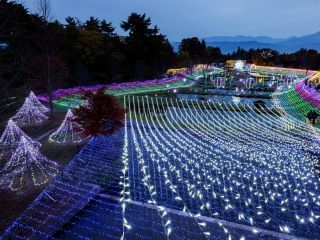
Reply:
x=148, y=52
x=35, y=101
x=195, y=48
x=68, y=132
x=29, y=115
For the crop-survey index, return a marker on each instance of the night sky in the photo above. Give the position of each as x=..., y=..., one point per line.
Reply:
x=203, y=18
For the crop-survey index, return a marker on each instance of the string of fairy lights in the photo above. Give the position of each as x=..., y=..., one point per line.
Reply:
x=27, y=167
x=12, y=135
x=125, y=193
x=146, y=180
x=35, y=101
x=240, y=216
x=230, y=163
x=68, y=132
x=21, y=163
x=161, y=152
x=29, y=114
x=169, y=150
x=251, y=167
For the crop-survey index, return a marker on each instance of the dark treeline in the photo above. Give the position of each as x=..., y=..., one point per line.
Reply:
x=39, y=53
x=192, y=50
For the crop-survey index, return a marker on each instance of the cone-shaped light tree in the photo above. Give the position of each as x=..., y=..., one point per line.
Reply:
x=29, y=115
x=12, y=135
x=33, y=98
x=9, y=141
x=27, y=168
x=68, y=132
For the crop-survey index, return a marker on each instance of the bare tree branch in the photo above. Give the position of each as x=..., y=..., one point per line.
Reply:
x=44, y=9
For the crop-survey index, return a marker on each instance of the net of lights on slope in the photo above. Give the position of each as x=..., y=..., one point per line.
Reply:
x=253, y=168
x=68, y=132
x=70, y=192
x=296, y=99
x=37, y=103
x=281, y=71
x=27, y=167
x=29, y=114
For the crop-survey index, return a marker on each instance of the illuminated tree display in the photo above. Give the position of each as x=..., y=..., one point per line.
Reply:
x=12, y=135
x=68, y=132
x=29, y=115
x=155, y=139
x=27, y=167
x=222, y=170
x=35, y=101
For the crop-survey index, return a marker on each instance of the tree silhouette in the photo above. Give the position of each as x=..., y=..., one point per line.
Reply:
x=68, y=132
x=39, y=53
x=195, y=48
x=147, y=50
x=100, y=115
x=17, y=28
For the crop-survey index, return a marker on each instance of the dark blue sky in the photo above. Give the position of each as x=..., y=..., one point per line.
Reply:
x=203, y=18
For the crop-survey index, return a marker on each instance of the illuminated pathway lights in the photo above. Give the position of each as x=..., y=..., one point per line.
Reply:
x=252, y=168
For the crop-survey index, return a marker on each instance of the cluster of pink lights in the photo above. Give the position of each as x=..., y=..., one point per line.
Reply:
x=309, y=94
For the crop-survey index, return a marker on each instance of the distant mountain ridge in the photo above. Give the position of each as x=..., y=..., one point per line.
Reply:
x=229, y=44
x=241, y=38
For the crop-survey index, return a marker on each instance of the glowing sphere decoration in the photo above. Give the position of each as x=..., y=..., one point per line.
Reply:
x=236, y=100
x=239, y=65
